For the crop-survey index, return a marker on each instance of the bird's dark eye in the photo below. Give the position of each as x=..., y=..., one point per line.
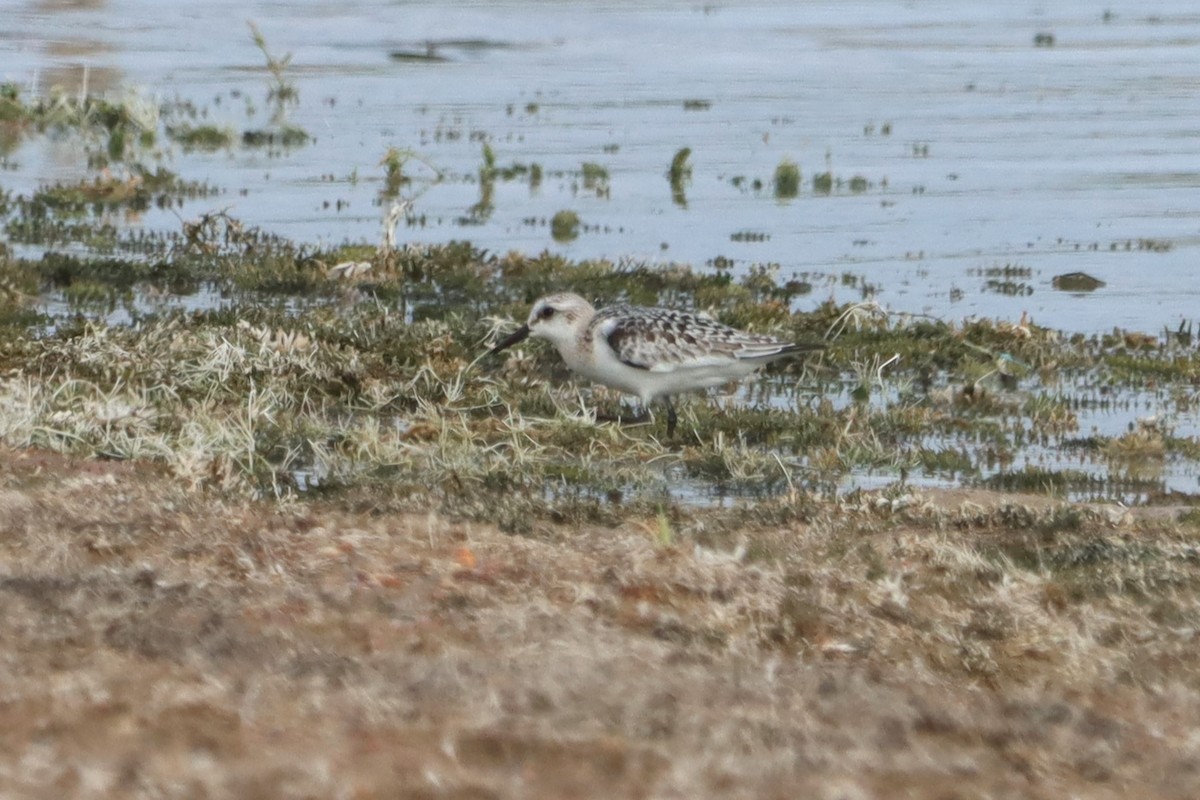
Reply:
x=546, y=313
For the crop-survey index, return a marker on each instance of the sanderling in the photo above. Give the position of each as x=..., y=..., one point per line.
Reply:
x=648, y=352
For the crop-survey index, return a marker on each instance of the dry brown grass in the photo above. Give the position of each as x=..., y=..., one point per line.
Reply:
x=165, y=642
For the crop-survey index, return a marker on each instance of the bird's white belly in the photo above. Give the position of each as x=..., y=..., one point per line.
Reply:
x=650, y=384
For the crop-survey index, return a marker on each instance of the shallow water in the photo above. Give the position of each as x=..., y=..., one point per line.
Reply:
x=999, y=152
x=1096, y=473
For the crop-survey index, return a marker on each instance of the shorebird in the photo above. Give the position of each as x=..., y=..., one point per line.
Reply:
x=652, y=353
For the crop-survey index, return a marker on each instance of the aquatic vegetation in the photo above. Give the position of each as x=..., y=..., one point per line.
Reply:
x=137, y=190
x=201, y=137
x=11, y=107
x=593, y=174
x=488, y=170
x=595, y=178
x=680, y=168
x=283, y=136
x=126, y=127
x=282, y=93
x=397, y=176
x=564, y=227
x=679, y=173
x=427, y=55
x=394, y=178
x=1009, y=271
x=786, y=180
x=1154, y=245
x=1009, y=288
x=282, y=90
x=1076, y=282
x=483, y=208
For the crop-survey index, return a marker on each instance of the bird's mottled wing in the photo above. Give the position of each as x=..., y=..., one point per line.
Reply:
x=664, y=340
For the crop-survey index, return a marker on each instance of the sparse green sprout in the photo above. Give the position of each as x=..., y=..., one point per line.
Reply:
x=663, y=532
x=858, y=184
x=823, y=183
x=282, y=89
x=787, y=180
x=697, y=105
x=564, y=226
x=394, y=178
x=535, y=175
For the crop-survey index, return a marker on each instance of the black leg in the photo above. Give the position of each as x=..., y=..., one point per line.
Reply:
x=671, y=418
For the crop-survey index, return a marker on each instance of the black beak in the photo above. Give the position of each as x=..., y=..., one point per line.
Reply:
x=516, y=337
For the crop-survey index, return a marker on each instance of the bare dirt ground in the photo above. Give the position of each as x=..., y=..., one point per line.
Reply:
x=162, y=642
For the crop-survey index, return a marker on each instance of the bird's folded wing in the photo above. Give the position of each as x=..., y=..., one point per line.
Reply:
x=641, y=346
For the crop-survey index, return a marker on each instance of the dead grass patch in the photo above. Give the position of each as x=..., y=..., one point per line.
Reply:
x=162, y=640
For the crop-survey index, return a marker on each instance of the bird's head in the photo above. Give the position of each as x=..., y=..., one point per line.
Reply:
x=557, y=318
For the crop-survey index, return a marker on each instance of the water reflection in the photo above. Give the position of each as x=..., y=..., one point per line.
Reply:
x=74, y=62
